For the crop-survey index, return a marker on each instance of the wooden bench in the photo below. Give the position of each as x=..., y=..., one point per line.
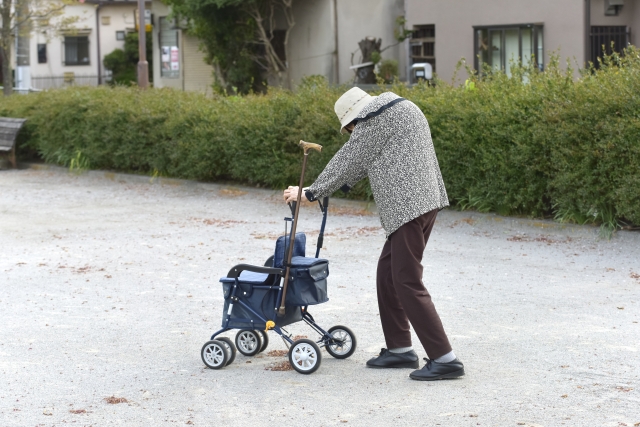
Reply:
x=9, y=129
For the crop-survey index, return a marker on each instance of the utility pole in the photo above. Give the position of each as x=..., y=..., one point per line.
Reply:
x=143, y=65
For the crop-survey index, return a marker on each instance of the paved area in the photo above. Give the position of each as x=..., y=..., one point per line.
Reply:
x=109, y=287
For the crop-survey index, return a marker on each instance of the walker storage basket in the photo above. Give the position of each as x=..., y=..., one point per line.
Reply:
x=308, y=281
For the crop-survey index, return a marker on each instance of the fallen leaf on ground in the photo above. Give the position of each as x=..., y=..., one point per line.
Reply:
x=232, y=192
x=115, y=400
x=280, y=366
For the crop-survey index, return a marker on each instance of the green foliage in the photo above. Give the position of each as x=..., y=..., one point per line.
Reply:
x=79, y=163
x=124, y=63
x=388, y=70
x=401, y=33
x=536, y=144
x=376, y=57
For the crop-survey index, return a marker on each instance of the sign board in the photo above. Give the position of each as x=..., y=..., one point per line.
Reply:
x=147, y=19
x=175, y=58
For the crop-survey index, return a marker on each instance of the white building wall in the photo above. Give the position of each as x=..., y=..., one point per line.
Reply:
x=312, y=45
x=367, y=18
x=121, y=18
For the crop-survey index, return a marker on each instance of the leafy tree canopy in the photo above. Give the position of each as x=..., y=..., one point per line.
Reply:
x=237, y=36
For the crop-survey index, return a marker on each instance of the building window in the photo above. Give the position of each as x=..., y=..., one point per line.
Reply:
x=42, y=53
x=501, y=46
x=76, y=50
x=169, y=51
x=423, y=45
x=119, y=35
x=602, y=39
x=23, y=51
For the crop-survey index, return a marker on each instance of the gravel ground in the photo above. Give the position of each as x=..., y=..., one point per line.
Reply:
x=109, y=288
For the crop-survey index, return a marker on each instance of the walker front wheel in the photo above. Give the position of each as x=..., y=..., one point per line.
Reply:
x=214, y=354
x=343, y=342
x=305, y=356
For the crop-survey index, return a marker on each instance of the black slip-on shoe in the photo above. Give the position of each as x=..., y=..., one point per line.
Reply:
x=438, y=371
x=387, y=359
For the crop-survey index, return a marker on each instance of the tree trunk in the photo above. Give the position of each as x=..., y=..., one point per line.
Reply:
x=365, y=75
x=6, y=40
x=7, y=80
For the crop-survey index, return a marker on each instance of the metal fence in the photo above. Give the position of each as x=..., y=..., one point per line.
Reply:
x=53, y=82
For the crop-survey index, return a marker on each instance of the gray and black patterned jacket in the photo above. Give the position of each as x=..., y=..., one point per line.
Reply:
x=391, y=144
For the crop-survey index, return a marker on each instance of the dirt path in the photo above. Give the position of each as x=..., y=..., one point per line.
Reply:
x=109, y=287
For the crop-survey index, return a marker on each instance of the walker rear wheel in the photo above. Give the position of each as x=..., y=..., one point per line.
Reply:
x=231, y=349
x=305, y=356
x=345, y=342
x=248, y=342
x=214, y=354
x=265, y=340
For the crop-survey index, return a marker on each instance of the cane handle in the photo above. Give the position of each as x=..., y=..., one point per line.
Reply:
x=306, y=146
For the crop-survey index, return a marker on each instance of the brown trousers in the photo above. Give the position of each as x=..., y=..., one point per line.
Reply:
x=402, y=298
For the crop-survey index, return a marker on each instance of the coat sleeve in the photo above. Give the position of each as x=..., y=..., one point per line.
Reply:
x=347, y=167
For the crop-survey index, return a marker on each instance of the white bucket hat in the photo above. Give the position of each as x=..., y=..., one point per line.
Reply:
x=349, y=105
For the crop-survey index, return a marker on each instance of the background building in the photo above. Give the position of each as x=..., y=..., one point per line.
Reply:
x=325, y=36
x=178, y=61
x=49, y=59
x=498, y=31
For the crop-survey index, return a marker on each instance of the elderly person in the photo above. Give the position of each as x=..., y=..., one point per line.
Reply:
x=391, y=144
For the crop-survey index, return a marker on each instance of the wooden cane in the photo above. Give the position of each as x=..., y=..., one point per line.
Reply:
x=306, y=146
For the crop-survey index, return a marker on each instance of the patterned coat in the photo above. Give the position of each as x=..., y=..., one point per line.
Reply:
x=391, y=144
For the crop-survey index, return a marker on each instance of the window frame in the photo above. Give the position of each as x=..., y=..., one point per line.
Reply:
x=42, y=53
x=421, y=42
x=537, y=29
x=600, y=35
x=65, y=44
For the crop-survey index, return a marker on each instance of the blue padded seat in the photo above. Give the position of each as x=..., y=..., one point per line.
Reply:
x=299, y=245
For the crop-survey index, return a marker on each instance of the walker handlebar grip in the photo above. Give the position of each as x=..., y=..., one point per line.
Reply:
x=306, y=146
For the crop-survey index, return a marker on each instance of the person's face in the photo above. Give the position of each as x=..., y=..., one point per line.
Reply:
x=349, y=128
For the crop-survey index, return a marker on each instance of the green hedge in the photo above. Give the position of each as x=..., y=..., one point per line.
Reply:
x=537, y=144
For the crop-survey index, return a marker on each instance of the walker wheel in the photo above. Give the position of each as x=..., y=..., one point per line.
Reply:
x=265, y=340
x=214, y=354
x=248, y=342
x=347, y=340
x=305, y=356
x=231, y=349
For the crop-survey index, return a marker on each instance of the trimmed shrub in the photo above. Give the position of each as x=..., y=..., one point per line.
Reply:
x=537, y=144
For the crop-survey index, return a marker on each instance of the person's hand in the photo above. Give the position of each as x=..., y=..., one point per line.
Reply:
x=291, y=194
